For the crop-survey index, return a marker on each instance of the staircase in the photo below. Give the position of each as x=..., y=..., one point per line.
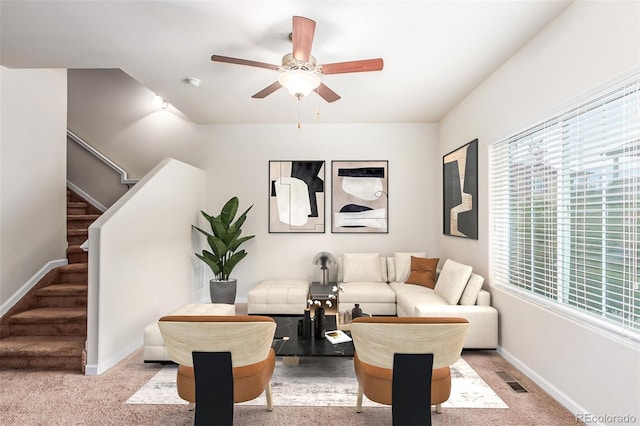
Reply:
x=47, y=328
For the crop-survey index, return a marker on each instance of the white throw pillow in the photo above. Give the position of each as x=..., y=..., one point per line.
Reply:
x=362, y=267
x=340, y=269
x=391, y=269
x=383, y=269
x=452, y=281
x=470, y=294
x=403, y=264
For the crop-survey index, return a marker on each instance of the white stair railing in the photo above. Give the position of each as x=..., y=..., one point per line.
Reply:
x=124, y=179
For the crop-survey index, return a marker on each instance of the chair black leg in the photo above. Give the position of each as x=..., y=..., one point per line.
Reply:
x=411, y=389
x=214, y=388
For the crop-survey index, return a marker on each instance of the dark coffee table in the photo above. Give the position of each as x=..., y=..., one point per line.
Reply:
x=287, y=343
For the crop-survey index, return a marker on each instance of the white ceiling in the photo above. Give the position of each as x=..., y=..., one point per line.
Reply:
x=435, y=52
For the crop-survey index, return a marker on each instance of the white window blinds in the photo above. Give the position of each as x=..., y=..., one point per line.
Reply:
x=565, y=207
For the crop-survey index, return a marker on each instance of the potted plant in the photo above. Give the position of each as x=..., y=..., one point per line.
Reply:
x=224, y=254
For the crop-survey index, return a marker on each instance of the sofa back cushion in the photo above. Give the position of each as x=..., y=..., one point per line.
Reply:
x=423, y=271
x=452, y=280
x=362, y=267
x=383, y=269
x=403, y=264
x=472, y=289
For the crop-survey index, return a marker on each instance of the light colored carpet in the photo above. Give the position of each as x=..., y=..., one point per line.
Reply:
x=324, y=381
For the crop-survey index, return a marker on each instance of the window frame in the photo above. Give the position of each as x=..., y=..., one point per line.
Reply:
x=500, y=264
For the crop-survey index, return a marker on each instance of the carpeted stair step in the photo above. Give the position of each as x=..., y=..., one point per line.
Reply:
x=75, y=254
x=50, y=322
x=76, y=237
x=74, y=273
x=80, y=221
x=76, y=208
x=43, y=352
x=62, y=296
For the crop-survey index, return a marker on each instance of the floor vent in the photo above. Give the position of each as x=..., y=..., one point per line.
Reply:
x=511, y=381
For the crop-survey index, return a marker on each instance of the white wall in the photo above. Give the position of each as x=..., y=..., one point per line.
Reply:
x=589, y=44
x=238, y=158
x=141, y=263
x=33, y=119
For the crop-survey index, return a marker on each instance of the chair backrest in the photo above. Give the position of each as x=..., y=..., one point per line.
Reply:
x=377, y=339
x=248, y=338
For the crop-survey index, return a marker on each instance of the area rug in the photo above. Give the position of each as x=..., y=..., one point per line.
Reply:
x=325, y=381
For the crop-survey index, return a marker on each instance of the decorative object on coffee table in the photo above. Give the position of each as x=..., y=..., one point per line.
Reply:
x=223, y=257
x=306, y=325
x=320, y=323
x=356, y=312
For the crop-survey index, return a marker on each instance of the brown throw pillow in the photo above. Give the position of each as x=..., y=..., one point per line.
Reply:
x=423, y=271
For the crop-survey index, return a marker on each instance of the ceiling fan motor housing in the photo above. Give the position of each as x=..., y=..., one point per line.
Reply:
x=291, y=63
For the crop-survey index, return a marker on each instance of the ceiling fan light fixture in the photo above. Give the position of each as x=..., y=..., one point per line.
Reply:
x=299, y=82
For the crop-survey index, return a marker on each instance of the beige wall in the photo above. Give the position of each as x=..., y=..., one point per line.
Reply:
x=590, y=44
x=32, y=174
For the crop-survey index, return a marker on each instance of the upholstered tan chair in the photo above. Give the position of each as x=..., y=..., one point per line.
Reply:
x=247, y=338
x=377, y=339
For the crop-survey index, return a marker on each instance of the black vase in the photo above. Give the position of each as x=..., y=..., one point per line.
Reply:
x=320, y=323
x=306, y=325
x=356, y=312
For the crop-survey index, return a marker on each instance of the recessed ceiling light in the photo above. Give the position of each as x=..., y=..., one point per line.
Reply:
x=192, y=81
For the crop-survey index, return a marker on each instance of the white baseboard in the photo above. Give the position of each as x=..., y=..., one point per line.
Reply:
x=558, y=395
x=101, y=367
x=30, y=283
x=95, y=203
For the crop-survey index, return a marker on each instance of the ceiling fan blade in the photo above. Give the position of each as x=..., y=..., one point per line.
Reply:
x=227, y=59
x=267, y=90
x=302, y=38
x=326, y=93
x=353, y=66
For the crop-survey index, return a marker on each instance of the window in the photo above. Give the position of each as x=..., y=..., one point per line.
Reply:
x=565, y=211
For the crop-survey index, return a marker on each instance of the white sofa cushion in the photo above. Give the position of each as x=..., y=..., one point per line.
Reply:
x=470, y=294
x=483, y=322
x=154, y=349
x=383, y=268
x=362, y=267
x=452, y=280
x=278, y=297
x=402, y=262
x=359, y=292
x=408, y=288
x=408, y=300
x=374, y=298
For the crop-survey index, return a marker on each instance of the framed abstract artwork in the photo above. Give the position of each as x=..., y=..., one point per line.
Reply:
x=359, y=202
x=296, y=196
x=460, y=191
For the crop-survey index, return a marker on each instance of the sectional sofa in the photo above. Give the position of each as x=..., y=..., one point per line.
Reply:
x=379, y=284
x=410, y=284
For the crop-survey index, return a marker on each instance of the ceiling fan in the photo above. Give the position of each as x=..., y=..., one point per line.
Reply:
x=300, y=71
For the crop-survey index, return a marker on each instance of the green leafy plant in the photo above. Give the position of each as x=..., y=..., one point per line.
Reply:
x=224, y=240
